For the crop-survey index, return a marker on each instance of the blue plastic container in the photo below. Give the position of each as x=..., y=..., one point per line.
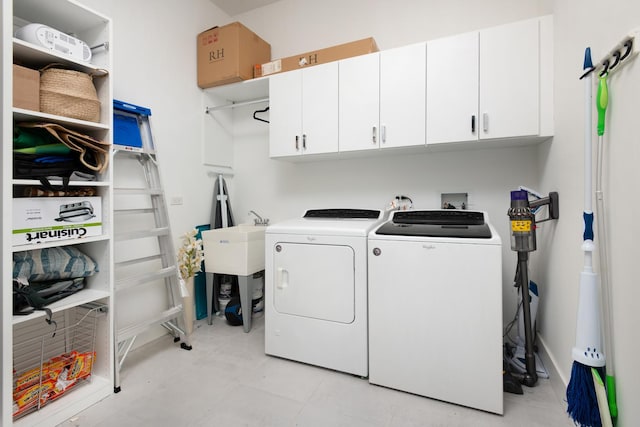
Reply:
x=126, y=131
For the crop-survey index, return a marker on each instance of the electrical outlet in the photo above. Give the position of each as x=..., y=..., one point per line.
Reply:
x=176, y=200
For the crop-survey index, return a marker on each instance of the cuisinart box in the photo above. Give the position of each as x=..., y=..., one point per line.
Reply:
x=228, y=54
x=46, y=219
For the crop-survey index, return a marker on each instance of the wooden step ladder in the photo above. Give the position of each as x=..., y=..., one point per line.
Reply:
x=145, y=256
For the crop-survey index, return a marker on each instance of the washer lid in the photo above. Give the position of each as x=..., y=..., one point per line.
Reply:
x=331, y=222
x=437, y=223
x=343, y=213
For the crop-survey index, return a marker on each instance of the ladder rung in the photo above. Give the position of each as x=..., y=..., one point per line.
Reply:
x=138, y=191
x=134, y=261
x=140, y=234
x=145, y=277
x=133, y=211
x=131, y=151
x=133, y=330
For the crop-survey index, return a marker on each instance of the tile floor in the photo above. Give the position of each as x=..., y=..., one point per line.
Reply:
x=227, y=380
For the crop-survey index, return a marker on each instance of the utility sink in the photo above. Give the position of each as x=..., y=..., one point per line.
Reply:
x=237, y=250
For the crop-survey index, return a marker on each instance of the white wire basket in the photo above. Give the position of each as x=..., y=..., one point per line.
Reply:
x=51, y=360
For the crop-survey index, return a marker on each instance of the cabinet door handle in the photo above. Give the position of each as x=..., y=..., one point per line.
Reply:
x=473, y=123
x=383, y=132
x=297, y=143
x=374, y=136
x=304, y=141
x=485, y=122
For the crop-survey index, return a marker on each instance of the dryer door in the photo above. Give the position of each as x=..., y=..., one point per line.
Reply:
x=315, y=281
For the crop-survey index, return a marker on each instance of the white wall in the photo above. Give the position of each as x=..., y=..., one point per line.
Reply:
x=579, y=24
x=155, y=67
x=154, y=52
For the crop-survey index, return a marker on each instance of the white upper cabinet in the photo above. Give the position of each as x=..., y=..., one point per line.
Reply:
x=492, y=84
x=303, y=111
x=359, y=103
x=382, y=99
x=452, y=89
x=402, y=96
x=510, y=80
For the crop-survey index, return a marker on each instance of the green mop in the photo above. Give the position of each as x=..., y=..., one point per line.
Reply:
x=587, y=354
x=602, y=101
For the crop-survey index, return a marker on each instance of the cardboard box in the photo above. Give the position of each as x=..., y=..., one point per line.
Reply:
x=322, y=56
x=45, y=219
x=26, y=88
x=228, y=54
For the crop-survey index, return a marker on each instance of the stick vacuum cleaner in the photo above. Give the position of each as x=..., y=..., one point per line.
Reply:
x=523, y=241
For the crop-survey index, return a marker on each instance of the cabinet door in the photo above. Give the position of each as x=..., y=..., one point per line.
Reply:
x=402, y=96
x=285, y=114
x=509, y=80
x=452, y=89
x=359, y=102
x=320, y=109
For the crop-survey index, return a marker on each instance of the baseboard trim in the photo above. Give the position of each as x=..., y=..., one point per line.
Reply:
x=558, y=381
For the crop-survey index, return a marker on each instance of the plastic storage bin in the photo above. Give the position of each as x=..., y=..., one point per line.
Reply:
x=126, y=131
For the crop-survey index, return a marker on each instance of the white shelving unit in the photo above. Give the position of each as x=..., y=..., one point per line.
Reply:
x=95, y=29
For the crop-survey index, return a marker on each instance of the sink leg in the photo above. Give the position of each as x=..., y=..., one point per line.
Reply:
x=246, y=293
x=209, y=290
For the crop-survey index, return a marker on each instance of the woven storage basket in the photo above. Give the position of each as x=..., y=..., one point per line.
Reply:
x=69, y=93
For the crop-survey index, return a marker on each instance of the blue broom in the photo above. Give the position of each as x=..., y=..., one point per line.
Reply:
x=587, y=354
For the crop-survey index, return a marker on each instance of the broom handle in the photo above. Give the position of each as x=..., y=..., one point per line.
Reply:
x=588, y=94
x=588, y=236
x=602, y=103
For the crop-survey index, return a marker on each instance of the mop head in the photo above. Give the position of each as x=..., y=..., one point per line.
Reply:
x=581, y=397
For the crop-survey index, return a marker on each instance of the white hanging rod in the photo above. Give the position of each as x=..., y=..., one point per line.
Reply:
x=217, y=171
x=236, y=104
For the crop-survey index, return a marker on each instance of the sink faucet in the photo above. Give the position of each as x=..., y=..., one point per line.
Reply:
x=258, y=220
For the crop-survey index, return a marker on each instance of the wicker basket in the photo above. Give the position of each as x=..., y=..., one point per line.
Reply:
x=69, y=93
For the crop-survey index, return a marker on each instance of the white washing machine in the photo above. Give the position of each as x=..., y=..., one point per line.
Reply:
x=316, y=288
x=435, y=307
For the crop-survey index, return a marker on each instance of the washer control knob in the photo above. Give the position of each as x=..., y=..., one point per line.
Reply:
x=377, y=251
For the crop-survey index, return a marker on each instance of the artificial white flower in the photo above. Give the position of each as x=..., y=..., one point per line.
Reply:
x=190, y=255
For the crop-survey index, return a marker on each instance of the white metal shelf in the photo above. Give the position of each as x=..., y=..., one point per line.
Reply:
x=59, y=243
x=86, y=394
x=58, y=182
x=82, y=297
x=38, y=57
x=22, y=115
x=241, y=92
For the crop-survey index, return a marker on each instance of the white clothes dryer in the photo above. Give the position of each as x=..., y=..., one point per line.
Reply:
x=435, y=307
x=316, y=288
